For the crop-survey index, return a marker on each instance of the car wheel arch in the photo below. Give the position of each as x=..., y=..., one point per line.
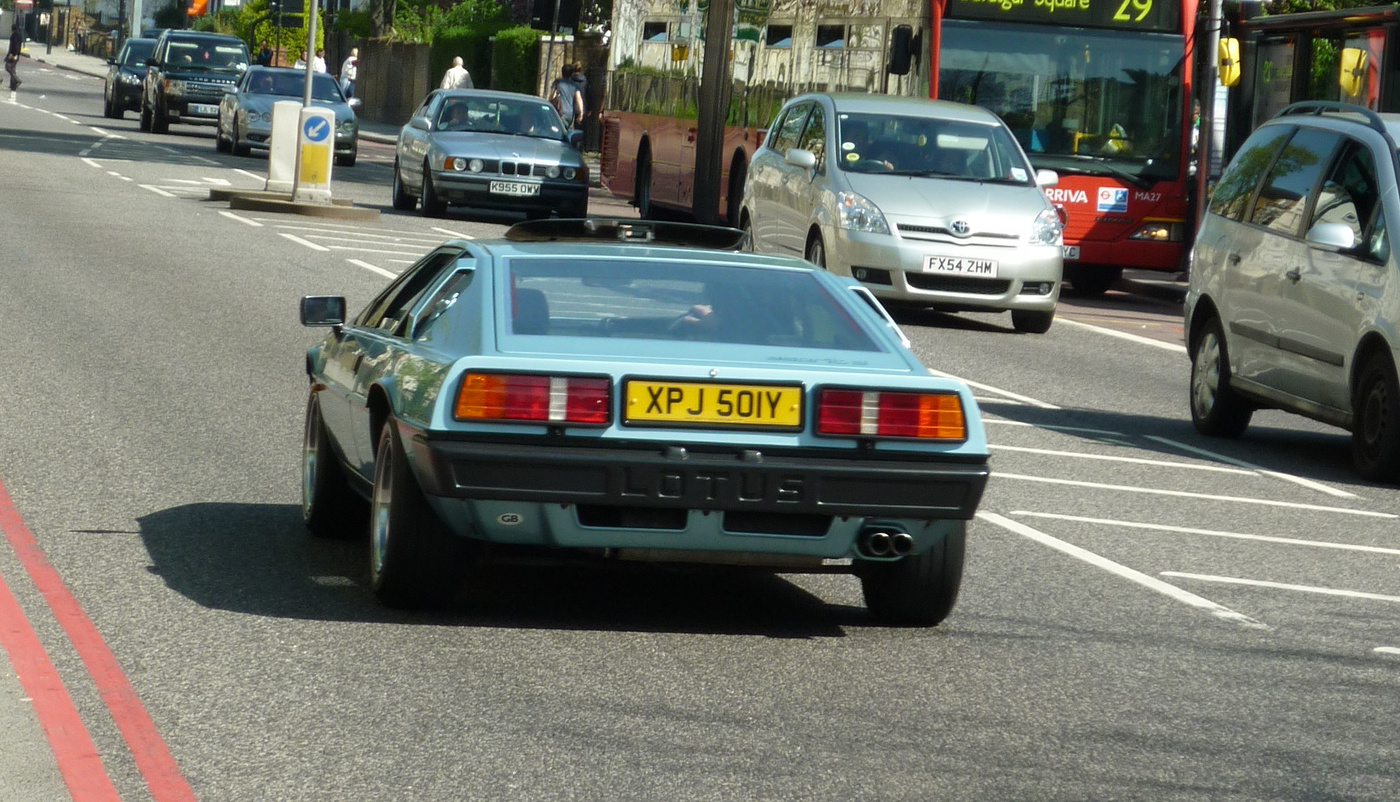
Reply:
x=1205, y=309
x=1371, y=343
x=380, y=409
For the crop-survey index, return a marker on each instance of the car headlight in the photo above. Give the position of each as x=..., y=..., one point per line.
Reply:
x=552, y=171
x=1046, y=230
x=174, y=87
x=454, y=164
x=1160, y=232
x=569, y=173
x=857, y=213
x=128, y=78
x=347, y=127
x=476, y=165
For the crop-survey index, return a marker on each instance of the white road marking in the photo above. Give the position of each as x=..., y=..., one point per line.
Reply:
x=107, y=134
x=1135, y=460
x=1187, y=530
x=240, y=218
x=1077, y=429
x=1099, y=561
x=115, y=174
x=157, y=190
x=1386, y=650
x=1287, y=477
x=250, y=175
x=1022, y=398
x=982, y=399
x=449, y=232
x=362, y=249
x=365, y=236
x=186, y=180
x=366, y=265
x=298, y=240
x=334, y=228
x=1259, y=583
x=222, y=182
x=1123, y=335
x=91, y=163
x=1204, y=496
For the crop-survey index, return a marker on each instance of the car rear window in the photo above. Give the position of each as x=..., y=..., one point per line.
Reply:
x=683, y=302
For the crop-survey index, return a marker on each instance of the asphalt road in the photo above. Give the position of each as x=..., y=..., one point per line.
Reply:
x=1146, y=614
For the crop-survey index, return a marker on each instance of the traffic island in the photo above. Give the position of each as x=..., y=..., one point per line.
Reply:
x=253, y=200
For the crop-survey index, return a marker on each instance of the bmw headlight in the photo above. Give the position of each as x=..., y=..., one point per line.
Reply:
x=857, y=213
x=347, y=127
x=552, y=171
x=569, y=173
x=476, y=165
x=1046, y=230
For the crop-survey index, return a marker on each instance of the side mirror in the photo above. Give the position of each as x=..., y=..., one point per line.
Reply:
x=576, y=140
x=1229, y=55
x=151, y=62
x=1332, y=237
x=421, y=123
x=322, y=310
x=1047, y=178
x=1352, y=76
x=798, y=157
x=355, y=102
x=901, y=50
x=111, y=62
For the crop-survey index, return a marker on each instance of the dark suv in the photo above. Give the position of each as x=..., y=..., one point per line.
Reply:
x=187, y=76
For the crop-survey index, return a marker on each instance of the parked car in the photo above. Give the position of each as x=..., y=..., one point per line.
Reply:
x=245, y=114
x=125, y=74
x=186, y=77
x=1294, y=296
x=923, y=201
x=490, y=150
x=625, y=387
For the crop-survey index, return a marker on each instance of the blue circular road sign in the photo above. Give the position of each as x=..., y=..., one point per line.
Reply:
x=316, y=130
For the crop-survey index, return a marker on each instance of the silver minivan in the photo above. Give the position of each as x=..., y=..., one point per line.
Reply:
x=1294, y=298
x=923, y=201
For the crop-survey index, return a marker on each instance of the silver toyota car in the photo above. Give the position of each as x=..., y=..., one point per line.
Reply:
x=923, y=201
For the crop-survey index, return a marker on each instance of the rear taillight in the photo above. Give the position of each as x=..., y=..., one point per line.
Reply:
x=529, y=397
x=924, y=416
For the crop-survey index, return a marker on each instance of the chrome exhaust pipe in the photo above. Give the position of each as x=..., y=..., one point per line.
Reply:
x=876, y=543
x=901, y=543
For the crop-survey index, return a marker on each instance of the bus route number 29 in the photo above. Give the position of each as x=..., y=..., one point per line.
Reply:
x=1127, y=9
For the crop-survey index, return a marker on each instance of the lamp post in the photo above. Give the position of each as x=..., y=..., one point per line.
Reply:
x=1208, y=79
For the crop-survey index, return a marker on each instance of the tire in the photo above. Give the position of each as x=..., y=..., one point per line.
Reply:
x=1375, y=434
x=415, y=561
x=403, y=201
x=145, y=117
x=109, y=109
x=234, y=144
x=220, y=143
x=160, y=124
x=1031, y=322
x=575, y=210
x=642, y=194
x=816, y=251
x=1216, y=409
x=919, y=590
x=433, y=206
x=329, y=507
x=1092, y=282
x=347, y=160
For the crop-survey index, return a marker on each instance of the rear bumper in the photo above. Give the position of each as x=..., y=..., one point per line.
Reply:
x=795, y=481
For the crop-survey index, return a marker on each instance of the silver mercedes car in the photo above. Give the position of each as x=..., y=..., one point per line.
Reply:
x=490, y=150
x=923, y=201
x=245, y=113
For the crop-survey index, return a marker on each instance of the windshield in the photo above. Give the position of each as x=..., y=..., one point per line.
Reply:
x=711, y=303
x=929, y=146
x=492, y=115
x=293, y=84
x=138, y=52
x=1078, y=100
x=204, y=55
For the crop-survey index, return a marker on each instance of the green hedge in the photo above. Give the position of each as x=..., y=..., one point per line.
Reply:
x=515, y=59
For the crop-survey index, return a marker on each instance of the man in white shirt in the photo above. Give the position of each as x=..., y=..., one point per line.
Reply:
x=349, y=71
x=457, y=76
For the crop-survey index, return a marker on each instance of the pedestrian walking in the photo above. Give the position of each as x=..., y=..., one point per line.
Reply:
x=318, y=64
x=566, y=97
x=349, y=71
x=456, y=76
x=264, y=54
x=12, y=57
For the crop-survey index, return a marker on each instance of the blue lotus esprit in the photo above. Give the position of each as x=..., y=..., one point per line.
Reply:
x=637, y=390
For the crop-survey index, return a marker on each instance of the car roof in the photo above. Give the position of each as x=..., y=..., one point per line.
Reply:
x=917, y=106
x=1336, y=114
x=489, y=93
x=170, y=33
x=649, y=252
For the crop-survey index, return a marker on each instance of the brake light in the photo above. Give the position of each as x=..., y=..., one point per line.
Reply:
x=925, y=416
x=530, y=397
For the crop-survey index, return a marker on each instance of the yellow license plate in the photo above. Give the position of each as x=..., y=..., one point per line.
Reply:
x=714, y=404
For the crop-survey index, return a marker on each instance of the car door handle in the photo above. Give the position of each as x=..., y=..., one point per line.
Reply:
x=1293, y=275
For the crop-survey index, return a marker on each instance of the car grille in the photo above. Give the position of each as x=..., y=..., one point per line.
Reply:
x=206, y=90
x=941, y=234
x=516, y=168
x=970, y=286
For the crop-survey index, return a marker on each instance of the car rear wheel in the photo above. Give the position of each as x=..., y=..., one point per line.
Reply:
x=1031, y=322
x=816, y=251
x=329, y=507
x=433, y=206
x=415, y=562
x=1375, y=435
x=403, y=201
x=919, y=590
x=1216, y=409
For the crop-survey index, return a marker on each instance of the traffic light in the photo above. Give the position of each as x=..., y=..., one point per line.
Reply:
x=542, y=14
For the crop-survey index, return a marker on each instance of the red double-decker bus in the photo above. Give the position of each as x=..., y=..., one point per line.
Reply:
x=1097, y=90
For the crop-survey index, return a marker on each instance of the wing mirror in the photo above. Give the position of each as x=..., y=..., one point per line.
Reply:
x=421, y=123
x=1047, y=178
x=798, y=157
x=1333, y=237
x=322, y=310
x=355, y=102
x=576, y=140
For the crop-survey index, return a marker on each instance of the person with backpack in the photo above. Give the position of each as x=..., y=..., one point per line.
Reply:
x=566, y=97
